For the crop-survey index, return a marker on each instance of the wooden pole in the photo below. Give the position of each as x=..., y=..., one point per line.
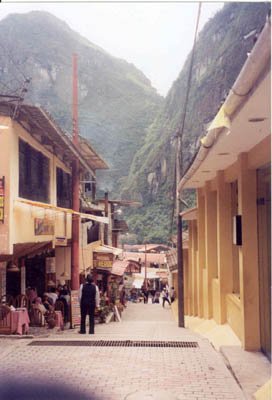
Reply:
x=106, y=230
x=75, y=187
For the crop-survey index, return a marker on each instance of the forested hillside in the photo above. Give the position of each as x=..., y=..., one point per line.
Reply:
x=221, y=51
x=116, y=101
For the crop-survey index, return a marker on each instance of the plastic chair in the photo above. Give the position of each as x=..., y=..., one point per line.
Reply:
x=59, y=306
x=36, y=317
x=21, y=301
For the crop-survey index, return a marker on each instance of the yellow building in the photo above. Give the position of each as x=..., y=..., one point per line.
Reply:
x=228, y=276
x=36, y=199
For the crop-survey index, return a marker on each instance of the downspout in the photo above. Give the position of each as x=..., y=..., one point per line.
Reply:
x=254, y=67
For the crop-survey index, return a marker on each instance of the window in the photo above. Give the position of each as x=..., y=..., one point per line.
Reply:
x=64, y=189
x=33, y=173
x=93, y=232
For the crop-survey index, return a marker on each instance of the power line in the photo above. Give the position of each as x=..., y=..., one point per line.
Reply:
x=180, y=131
x=178, y=169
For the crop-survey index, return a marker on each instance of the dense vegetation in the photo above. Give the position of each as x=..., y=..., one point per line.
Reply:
x=221, y=51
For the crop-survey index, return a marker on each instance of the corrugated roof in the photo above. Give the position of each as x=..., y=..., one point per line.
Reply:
x=151, y=258
x=90, y=154
x=40, y=124
x=119, y=267
x=108, y=249
x=153, y=247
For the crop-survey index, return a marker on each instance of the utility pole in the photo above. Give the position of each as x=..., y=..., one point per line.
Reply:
x=145, y=269
x=179, y=242
x=178, y=172
x=75, y=187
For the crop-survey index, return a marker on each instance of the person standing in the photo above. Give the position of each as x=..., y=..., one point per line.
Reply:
x=89, y=298
x=172, y=294
x=165, y=297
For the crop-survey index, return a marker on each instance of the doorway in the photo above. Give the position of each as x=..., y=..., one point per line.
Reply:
x=264, y=250
x=35, y=273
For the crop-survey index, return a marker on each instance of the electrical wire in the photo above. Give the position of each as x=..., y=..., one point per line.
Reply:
x=180, y=131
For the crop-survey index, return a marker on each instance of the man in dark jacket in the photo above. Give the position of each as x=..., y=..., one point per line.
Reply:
x=89, y=299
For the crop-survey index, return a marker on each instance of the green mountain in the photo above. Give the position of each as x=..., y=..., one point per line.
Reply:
x=221, y=51
x=116, y=101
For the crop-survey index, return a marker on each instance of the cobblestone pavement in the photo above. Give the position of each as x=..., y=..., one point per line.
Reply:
x=117, y=373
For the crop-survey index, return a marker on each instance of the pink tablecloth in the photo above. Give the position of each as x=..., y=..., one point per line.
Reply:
x=19, y=321
x=59, y=320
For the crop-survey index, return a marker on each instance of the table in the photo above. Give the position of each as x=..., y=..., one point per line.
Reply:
x=59, y=320
x=19, y=321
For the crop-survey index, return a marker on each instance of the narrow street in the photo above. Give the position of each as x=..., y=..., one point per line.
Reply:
x=117, y=373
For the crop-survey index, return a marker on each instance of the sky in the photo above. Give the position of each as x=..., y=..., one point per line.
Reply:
x=156, y=37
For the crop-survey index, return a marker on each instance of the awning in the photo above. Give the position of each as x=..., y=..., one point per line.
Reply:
x=108, y=249
x=119, y=267
x=189, y=215
x=103, y=220
x=138, y=283
x=30, y=249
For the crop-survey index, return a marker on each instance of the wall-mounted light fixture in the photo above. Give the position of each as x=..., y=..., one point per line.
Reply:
x=12, y=267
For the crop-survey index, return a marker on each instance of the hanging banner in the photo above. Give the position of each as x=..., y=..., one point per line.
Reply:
x=75, y=309
x=23, y=280
x=44, y=226
x=50, y=265
x=2, y=279
x=2, y=198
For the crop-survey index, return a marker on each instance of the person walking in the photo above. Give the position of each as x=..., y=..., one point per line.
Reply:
x=165, y=297
x=89, y=298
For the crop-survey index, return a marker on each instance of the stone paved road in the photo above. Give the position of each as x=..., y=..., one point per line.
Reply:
x=117, y=373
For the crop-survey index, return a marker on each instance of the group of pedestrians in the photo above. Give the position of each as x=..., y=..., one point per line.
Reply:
x=167, y=296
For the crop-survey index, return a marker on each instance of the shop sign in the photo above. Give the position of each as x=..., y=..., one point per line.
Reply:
x=2, y=198
x=50, y=265
x=43, y=226
x=102, y=260
x=60, y=241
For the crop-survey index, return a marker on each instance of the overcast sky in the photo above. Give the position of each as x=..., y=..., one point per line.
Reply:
x=155, y=37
